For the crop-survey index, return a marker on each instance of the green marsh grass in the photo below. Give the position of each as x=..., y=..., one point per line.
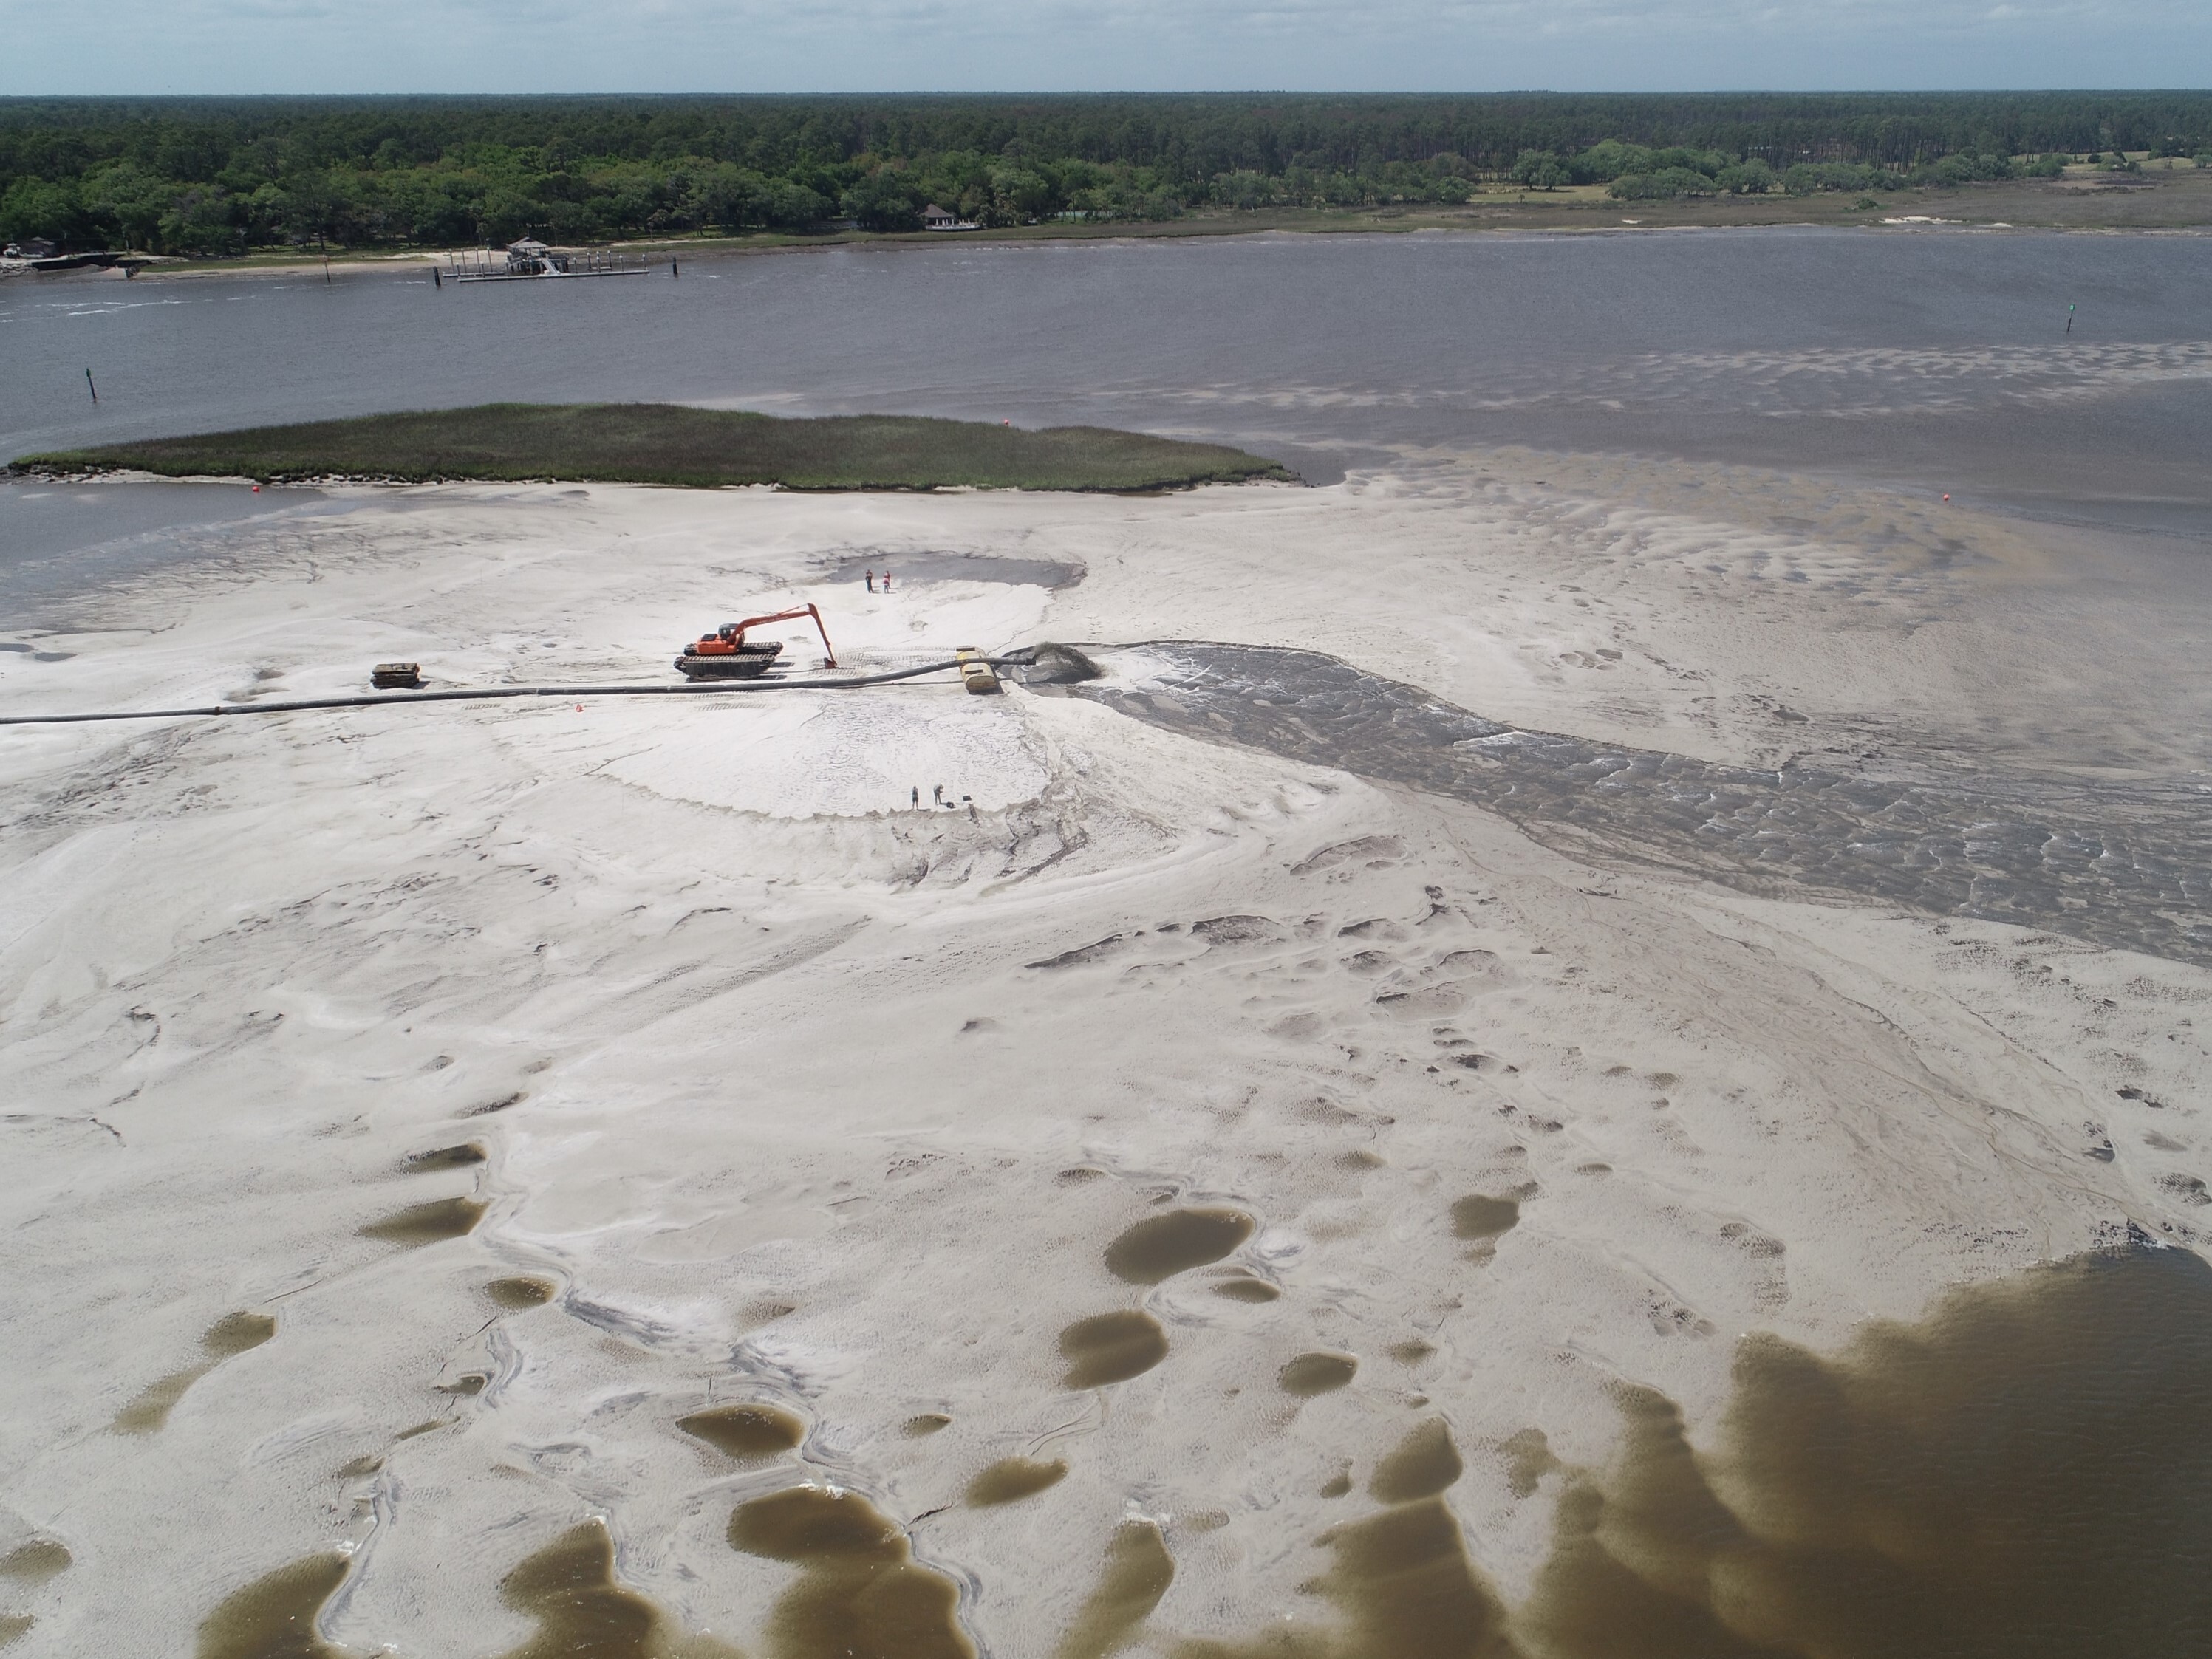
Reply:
x=666, y=443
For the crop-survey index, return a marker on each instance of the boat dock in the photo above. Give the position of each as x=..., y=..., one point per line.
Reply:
x=530, y=260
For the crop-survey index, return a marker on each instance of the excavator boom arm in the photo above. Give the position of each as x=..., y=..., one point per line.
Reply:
x=828, y=652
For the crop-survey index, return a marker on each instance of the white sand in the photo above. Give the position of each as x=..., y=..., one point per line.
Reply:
x=771, y=1041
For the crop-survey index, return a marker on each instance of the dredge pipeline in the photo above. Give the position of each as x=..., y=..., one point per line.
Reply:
x=702, y=689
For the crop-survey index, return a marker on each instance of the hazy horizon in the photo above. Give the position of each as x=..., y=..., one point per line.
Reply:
x=1745, y=90
x=706, y=47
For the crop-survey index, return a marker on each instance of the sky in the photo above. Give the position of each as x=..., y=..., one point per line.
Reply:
x=97, y=46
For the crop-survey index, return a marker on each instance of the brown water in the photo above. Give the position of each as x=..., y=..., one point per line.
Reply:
x=1137, y=1573
x=1161, y=1246
x=1011, y=1479
x=748, y=1433
x=860, y=1594
x=229, y=1336
x=1111, y=1347
x=1478, y=1217
x=1398, y=1585
x=2021, y=1475
x=584, y=1612
x=568, y=1588
x=274, y=1617
x=235, y=1333
x=35, y=1562
x=521, y=1293
x=30, y=1565
x=1242, y=1289
x=446, y=1157
x=1527, y=1458
x=428, y=1223
x=1310, y=1374
x=1423, y=1464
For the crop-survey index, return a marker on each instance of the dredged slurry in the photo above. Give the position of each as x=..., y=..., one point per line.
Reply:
x=2126, y=867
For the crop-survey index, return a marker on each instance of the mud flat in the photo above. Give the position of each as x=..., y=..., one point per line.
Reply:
x=916, y=1173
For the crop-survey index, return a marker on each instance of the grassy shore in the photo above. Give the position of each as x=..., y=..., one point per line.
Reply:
x=666, y=444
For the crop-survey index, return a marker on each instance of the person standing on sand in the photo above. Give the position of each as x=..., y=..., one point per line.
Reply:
x=872, y=581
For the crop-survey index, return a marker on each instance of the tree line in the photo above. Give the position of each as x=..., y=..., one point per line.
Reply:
x=221, y=176
x=1638, y=172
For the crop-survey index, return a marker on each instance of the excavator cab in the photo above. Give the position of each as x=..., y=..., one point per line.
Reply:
x=728, y=638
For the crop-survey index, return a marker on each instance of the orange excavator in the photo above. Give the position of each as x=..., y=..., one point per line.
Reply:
x=726, y=654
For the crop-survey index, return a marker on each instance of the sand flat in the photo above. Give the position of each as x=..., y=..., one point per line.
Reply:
x=808, y=1097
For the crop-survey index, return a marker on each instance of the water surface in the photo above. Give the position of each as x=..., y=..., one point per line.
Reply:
x=1940, y=359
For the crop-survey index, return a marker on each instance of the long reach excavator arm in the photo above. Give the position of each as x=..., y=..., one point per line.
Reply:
x=730, y=637
x=828, y=652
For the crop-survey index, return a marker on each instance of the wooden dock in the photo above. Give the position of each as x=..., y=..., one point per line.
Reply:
x=530, y=261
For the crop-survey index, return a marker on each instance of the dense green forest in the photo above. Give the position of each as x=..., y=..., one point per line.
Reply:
x=221, y=176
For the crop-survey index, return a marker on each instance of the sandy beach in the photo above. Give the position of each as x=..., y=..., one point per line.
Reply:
x=1135, y=1186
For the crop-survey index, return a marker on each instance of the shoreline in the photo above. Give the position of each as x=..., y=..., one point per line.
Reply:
x=1972, y=207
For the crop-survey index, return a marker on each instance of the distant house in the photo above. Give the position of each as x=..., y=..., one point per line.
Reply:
x=31, y=248
x=934, y=217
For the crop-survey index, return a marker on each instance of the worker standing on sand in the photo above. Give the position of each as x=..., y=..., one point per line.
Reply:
x=887, y=581
x=872, y=581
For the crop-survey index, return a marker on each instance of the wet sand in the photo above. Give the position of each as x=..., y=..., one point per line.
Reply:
x=488, y=1167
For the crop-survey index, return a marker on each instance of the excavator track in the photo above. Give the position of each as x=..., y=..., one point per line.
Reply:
x=746, y=662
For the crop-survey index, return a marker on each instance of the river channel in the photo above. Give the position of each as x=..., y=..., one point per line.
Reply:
x=1933, y=358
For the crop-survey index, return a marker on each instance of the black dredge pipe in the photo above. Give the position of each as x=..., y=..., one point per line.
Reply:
x=711, y=688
